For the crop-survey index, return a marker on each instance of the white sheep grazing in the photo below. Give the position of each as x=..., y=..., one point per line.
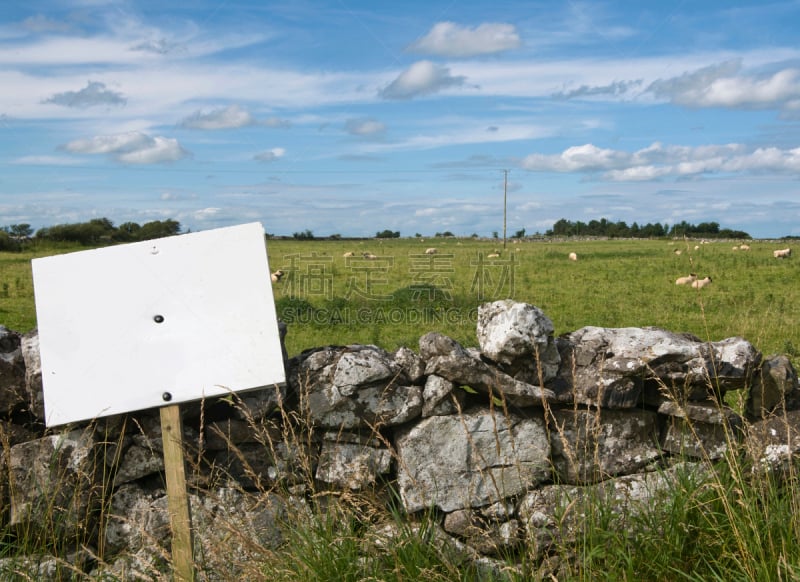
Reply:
x=782, y=254
x=276, y=276
x=678, y=251
x=573, y=257
x=744, y=247
x=691, y=278
x=349, y=254
x=431, y=251
x=700, y=283
x=493, y=256
x=370, y=256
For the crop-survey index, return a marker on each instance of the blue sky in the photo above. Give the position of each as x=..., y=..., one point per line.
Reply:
x=352, y=117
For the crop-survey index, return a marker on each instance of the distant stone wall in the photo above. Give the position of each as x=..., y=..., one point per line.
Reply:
x=497, y=441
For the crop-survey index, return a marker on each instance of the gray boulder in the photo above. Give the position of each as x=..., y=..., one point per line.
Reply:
x=703, y=430
x=593, y=445
x=470, y=460
x=447, y=358
x=441, y=396
x=518, y=337
x=355, y=387
x=352, y=462
x=611, y=367
x=773, y=444
x=55, y=485
x=33, y=373
x=12, y=372
x=775, y=387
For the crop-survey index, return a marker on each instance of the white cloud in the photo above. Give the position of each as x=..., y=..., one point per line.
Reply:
x=276, y=122
x=364, y=127
x=95, y=93
x=45, y=161
x=421, y=78
x=448, y=39
x=229, y=117
x=615, y=89
x=583, y=158
x=270, y=155
x=724, y=85
x=130, y=148
x=657, y=161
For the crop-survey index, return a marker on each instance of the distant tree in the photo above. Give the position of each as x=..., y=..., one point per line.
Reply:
x=494, y=234
x=158, y=229
x=127, y=231
x=7, y=243
x=520, y=233
x=418, y=235
x=473, y=235
x=20, y=230
x=387, y=234
x=335, y=236
x=93, y=232
x=728, y=233
x=304, y=235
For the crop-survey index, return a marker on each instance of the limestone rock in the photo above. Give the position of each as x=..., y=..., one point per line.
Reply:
x=55, y=487
x=440, y=396
x=411, y=364
x=470, y=460
x=610, y=367
x=590, y=446
x=519, y=337
x=775, y=387
x=352, y=462
x=356, y=386
x=773, y=444
x=33, y=374
x=558, y=513
x=457, y=365
x=12, y=372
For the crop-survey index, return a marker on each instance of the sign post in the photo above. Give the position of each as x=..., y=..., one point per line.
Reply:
x=180, y=518
x=155, y=324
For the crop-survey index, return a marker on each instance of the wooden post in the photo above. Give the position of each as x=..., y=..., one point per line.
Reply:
x=179, y=515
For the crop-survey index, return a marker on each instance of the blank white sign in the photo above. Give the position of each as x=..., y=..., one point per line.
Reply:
x=165, y=321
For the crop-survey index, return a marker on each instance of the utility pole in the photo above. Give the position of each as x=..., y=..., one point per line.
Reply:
x=505, y=204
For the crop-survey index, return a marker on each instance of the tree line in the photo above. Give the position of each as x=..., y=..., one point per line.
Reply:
x=620, y=229
x=94, y=232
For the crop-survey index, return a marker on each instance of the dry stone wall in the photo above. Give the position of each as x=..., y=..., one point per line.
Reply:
x=498, y=442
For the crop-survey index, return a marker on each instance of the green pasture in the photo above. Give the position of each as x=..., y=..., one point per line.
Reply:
x=327, y=298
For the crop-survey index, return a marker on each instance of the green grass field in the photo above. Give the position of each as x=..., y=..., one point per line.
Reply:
x=733, y=527
x=327, y=298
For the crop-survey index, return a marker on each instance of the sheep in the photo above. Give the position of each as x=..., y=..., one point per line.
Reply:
x=276, y=276
x=744, y=247
x=369, y=256
x=493, y=256
x=431, y=251
x=691, y=278
x=677, y=251
x=348, y=254
x=782, y=254
x=700, y=283
x=697, y=247
x=573, y=257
